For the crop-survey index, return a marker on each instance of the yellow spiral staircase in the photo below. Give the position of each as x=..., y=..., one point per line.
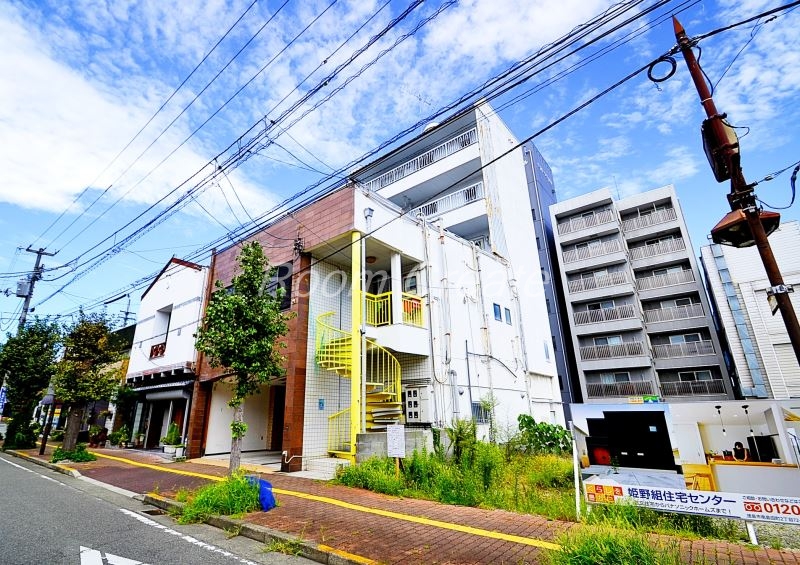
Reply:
x=334, y=352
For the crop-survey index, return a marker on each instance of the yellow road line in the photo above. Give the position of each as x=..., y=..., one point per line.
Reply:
x=346, y=555
x=366, y=509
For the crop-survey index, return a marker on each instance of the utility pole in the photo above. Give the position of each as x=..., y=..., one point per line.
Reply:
x=35, y=276
x=744, y=226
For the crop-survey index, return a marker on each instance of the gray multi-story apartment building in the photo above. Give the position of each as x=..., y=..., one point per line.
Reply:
x=637, y=311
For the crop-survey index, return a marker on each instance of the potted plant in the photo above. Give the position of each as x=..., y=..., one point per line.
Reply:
x=124, y=436
x=172, y=439
x=180, y=449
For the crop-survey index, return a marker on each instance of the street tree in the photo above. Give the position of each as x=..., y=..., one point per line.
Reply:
x=82, y=375
x=241, y=333
x=28, y=360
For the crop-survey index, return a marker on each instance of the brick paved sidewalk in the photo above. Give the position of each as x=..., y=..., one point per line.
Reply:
x=389, y=529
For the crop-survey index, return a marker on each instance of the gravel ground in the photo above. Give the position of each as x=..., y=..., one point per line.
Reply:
x=777, y=536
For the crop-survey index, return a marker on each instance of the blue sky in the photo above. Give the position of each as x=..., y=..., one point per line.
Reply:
x=82, y=78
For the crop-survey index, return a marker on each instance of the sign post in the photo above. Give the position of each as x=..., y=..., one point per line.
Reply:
x=396, y=443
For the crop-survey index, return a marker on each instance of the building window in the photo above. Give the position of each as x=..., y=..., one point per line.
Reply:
x=684, y=338
x=608, y=340
x=498, y=313
x=282, y=278
x=410, y=284
x=703, y=375
x=614, y=378
x=555, y=345
x=508, y=316
x=602, y=305
x=480, y=414
x=546, y=351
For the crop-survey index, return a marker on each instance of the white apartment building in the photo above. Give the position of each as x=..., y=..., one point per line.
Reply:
x=639, y=317
x=759, y=346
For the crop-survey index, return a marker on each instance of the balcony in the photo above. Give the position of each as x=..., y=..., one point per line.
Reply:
x=379, y=309
x=655, y=218
x=713, y=387
x=629, y=349
x=598, y=281
x=661, y=248
x=604, y=315
x=450, y=202
x=158, y=350
x=595, y=250
x=425, y=159
x=689, y=349
x=675, y=313
x=600, y=390
x=577, y=223
x=668, y=279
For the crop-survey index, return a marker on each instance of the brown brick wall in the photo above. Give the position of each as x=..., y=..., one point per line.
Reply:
x=315, y=224
x=198, y=413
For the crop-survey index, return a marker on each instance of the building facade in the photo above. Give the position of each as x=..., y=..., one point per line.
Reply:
x=163, y=358
x=417, y=297
x=639, y=317
x=759, y=349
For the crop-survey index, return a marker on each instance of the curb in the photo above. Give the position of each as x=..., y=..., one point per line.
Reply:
x=309, y=550
x=63, y=469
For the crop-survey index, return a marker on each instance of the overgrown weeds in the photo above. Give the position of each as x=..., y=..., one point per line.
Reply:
x=609, y=546
x=231, y=497
x=77, y=455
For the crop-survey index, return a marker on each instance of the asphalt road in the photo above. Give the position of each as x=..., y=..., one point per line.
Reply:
x=47, y=517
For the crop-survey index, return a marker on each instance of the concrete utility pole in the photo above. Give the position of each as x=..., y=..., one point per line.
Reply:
x=744, y=225
x=37, y=274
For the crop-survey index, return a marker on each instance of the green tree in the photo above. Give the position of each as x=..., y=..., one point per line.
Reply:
x=28, y=360
x=82, y=374
x=241, y=333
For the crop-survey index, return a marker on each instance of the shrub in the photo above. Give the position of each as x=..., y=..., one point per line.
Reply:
x=376, y=474
x=551, y=471
x=78, y=455
x=173, y=436
x=57, y=435
x=542, y=437
x=233, y=496
x=608, y=546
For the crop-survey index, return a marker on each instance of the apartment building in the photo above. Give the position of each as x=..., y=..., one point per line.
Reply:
x=759, y=349
x=418, y=299
x=638, y=314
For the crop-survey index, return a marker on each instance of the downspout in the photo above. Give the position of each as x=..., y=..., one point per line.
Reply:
x=487, y=345
x=426, y=258
x=512, y=284
x=446, y=323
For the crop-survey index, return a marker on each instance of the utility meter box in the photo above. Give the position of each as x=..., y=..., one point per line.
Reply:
x=23, y=286
x=417, y=404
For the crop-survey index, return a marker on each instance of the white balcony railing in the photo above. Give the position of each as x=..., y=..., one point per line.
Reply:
x=652, y=219
x=629, y=349
x=667, y=279
x=622, y=312
x=689, y=349
x=660, y=248
x=598, y=281
x=594, y=250
x=693, y=388
x=674, y=313
x=638, y=388
x=450, y=201
x=421, y=161
x=581, y=222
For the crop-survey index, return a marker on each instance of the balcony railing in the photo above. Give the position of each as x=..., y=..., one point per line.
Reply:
x=581, y=222
x=595, y=250
x=660, y=248
x=628, y=349
x=674, y=313
x=598, y=281
x=421, y=161
x=639, y=388
x=379, y=309
x=693, y=388
x=622, y=312
x=668, y=279
x=450, y=202
x=652, y=219
x=158, y=350
x=689, y=349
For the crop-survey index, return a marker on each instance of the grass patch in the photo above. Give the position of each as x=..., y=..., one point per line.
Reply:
x=287, y=547
x=233, y=496
x=609, y=546
x=632, y=517
x=77, y=455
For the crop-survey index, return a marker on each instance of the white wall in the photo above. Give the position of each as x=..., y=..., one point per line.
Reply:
x=181, y=288
x=220, y=416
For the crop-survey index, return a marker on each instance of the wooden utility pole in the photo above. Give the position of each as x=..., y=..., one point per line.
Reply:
x=722, y=148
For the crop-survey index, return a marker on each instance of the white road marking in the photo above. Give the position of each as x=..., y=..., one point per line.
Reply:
x=91, y=556
x=187, y=538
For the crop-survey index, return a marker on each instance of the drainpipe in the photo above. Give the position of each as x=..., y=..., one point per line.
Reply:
x=429, y=301
x=487, y=344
